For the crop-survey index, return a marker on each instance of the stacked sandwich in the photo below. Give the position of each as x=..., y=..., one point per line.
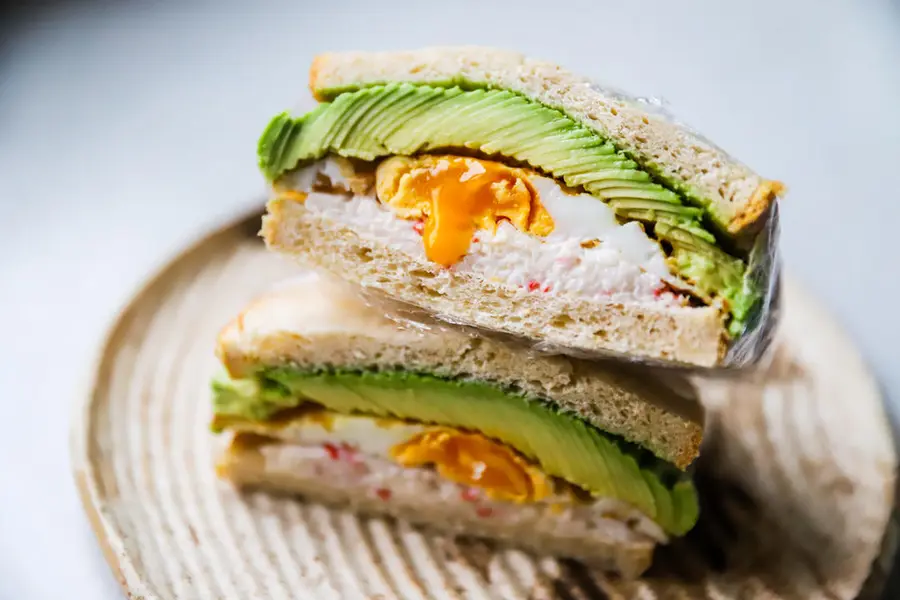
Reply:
x=523, y=209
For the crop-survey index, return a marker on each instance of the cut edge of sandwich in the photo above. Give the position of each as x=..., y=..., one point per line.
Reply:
x=693, y=335
x=421, y=497
x=735, y=196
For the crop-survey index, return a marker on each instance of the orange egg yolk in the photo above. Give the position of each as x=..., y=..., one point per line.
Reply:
x=456, y=196
x=475, y=460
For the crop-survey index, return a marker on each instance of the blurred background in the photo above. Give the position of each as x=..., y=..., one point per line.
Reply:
x=127, y=128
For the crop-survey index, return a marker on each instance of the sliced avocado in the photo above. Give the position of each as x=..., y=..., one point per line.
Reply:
x=380, y=109
x=409, y=101
x=713, y=272
x=613, y=178
x=321, y=122
x=562, y=444
x=271, y=142
x=553, y=132
x=649, y=164
x=254, y=399
x=406, y=119
x=578, y=163
x=344, y=115
x=622, y=205
x=490, y=121
x=655, y=212
x=362, y=107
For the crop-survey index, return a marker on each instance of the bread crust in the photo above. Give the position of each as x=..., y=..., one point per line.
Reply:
x=737, y=196
x=281, y=469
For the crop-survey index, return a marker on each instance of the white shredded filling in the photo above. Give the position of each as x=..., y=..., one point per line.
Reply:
x=345, y=466
x=626, y=265
x=361, y=441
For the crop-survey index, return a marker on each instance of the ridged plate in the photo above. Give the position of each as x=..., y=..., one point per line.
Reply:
x=797, y=475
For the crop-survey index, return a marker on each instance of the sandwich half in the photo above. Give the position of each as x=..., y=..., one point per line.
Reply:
x=328, y=398
x=510, y=194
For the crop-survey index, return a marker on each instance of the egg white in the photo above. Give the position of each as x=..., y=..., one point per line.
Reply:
x=368, y=435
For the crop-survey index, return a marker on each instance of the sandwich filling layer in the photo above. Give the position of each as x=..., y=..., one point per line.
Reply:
x=567, y=258
x=356, y=454
x=512, y=447
x=404, y=120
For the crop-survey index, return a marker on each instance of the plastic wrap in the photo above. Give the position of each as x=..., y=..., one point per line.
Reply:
x=752, y=349
x=753, y=346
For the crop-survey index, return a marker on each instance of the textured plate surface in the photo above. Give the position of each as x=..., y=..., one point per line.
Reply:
x=796, y=476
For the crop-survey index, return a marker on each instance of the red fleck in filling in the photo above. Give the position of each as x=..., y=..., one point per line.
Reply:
x=419, y=227
x=333, y=452
x=469, y=494
x=534, y=285
x=349, y=453
x=483, y=511
x=344, y=452
x=383, y=493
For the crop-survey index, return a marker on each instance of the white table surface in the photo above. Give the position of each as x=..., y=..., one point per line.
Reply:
x=128, y=127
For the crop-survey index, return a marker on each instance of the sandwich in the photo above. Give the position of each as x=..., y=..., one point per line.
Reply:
x=514, y=196
x=327, y=397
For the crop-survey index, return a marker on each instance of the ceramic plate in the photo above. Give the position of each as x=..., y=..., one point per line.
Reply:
x=796, y=475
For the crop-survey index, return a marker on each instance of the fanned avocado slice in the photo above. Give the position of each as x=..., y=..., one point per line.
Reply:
x=562, y=444
x=490, y=121
x=407, y=119
x=713, y=272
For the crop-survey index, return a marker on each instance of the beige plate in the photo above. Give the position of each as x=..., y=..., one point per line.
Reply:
x=797, y=476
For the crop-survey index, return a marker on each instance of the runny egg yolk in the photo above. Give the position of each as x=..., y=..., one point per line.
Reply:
x=456, y=196
x=475, y=460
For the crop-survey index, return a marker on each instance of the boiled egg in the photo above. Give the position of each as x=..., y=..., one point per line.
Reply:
x=455, y=196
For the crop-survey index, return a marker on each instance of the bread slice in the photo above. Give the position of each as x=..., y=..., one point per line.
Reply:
x=685, y=334
x=421, y=496
x=735, y=196
x=317, y=321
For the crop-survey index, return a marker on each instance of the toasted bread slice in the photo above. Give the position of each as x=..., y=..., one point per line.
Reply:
x=318, y=321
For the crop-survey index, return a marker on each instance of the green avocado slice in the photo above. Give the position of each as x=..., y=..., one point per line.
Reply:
x=710, y=270
x=406, y=119
x=564, y=445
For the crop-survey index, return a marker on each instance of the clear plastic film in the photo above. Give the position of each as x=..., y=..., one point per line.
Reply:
x=751, y=352
x=748, y=351
x=753, y=348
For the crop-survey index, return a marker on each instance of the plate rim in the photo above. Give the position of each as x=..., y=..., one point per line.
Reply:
x=81, y=467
